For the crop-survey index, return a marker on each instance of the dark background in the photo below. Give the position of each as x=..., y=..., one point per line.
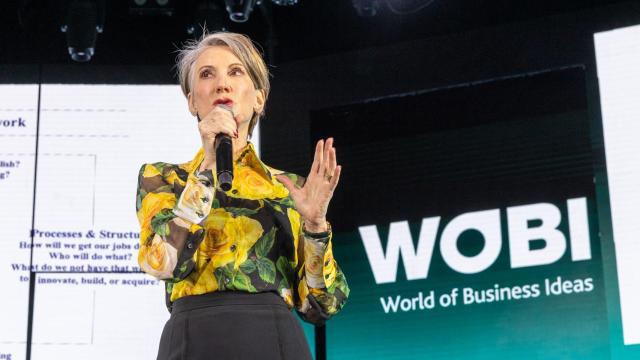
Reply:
x=323, y=56
x=290, y=33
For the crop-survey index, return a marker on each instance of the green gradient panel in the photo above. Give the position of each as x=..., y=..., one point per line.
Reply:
x=567, y=326
x=508, y=143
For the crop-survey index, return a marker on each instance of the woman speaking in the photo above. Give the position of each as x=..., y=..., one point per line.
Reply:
x=236, y=262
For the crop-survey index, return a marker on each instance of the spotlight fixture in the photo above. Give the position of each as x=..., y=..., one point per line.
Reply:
x=83, y=21
x=285, y=2
x=366, y=8
x=151, y=7
x=239, y=10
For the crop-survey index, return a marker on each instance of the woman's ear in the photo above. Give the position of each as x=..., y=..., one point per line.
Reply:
x=260, y=98
x=192, y=107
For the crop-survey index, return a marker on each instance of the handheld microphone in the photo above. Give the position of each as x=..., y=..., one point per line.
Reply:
x=224, y=157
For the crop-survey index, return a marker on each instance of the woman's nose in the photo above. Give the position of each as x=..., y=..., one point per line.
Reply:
x=223, y=86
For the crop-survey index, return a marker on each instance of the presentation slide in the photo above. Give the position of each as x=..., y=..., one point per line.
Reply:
x=618, y=56
x=18, y=124
x=68, y=177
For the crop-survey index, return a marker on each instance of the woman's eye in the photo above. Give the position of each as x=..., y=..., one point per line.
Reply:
x=236, y=71
x=205, y=73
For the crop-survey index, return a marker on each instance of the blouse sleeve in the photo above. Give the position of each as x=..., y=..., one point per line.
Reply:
x=322, y=287
x=170, y=227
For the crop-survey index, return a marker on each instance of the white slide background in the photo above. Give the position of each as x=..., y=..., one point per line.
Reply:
x=618, y=62
x=17, y=155
x=92, y=141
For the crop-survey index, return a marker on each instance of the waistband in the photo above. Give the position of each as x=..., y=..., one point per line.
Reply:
x=225, y=298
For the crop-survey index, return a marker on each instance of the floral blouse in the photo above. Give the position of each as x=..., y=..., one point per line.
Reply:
x=200, y=239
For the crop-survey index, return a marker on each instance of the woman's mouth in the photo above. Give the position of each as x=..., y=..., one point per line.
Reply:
x=223, y=101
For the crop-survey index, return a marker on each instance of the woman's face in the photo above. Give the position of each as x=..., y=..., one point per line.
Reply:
x=220, y=77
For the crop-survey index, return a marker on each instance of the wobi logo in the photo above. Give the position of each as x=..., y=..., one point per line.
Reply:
x=525, y=223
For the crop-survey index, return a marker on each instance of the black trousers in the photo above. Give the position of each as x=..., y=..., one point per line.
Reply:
x=232, y=326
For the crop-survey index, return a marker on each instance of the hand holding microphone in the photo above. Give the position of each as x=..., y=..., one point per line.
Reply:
x=224, y=156
x=216, y=130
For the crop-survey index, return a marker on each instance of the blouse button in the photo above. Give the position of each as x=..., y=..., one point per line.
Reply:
x=226, y=280
x=233, y=247
x=190, y=245
x=235, y=191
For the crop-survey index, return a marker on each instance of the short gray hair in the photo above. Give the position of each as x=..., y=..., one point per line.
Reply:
x=241, y=46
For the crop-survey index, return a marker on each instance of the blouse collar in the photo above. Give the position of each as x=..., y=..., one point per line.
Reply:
x=247, y=157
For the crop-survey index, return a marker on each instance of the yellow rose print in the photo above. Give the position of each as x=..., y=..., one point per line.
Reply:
x=216, y=245
x=294, y=220
x=329, y=272
x=195, y=202
x=152, y=204
x=248, y=231
x=184, y=287
x=206, y=282
x=234, y=233
x=173, y=178
x=229, y=239
x=250, y=184
x=158, y=258
x=150, y=171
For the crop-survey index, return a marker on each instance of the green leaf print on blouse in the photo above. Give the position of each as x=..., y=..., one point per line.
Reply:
x=160, y=223
x=241, y=211
x=285, y=269
x=251, y=246
x=248, y=266
x=230, y=279
x=267, y=270
x=241, y=281
x=265, y=243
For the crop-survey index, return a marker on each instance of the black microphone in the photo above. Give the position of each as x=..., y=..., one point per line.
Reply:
x=224, y=157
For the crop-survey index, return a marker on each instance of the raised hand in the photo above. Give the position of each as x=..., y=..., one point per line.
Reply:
x=312, y=200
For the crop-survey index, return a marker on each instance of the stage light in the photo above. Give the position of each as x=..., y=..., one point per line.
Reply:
x=366, y=8
x=285, y=2
x=151, y=7
x=239, y=10
x=84, y=20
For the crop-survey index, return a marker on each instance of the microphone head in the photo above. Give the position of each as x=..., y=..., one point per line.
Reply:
x=225, y=179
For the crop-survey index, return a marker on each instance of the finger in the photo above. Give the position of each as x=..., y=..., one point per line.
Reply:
x=222, y=114
x=231, y=130
x=287, y=183
x=226, y=131
x=328, y=145
x=332, y=161
x=234, y=118
x=229, y=122
x=317, y=159
x=227, y=127
x=335, y=177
